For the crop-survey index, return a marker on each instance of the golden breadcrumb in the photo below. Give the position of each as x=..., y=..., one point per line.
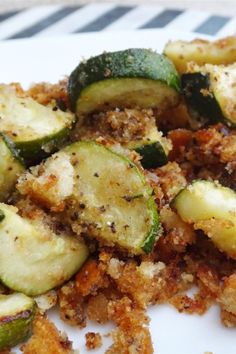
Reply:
x=46, y=339
x=71, y=305
x=227, y=297
x=132, y=335
x=93, y=340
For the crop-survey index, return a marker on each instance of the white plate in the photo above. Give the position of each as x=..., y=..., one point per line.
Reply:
x=32, y=60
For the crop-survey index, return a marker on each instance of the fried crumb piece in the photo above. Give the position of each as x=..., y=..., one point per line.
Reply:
x=183, y=303
x=71, y=305
x=97, y=308
x=178, y=233
x=228, y=149
x=93, y=340
x=174, y=118
x=171, y=179
x=46, y=339
x=132, y=335
x=228, y=319
x=227, y=300
x=45, y=93
x=120, y=125
x=148, y=282
x=140, y=282
x=91, y=278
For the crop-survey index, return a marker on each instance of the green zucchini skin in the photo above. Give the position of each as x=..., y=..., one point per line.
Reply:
x=153, y=154
x=12, y=147
x=210, y=92
x=11, y=166
x=33, y=152
x=31, y=129
x=204, y=108
x=152, y=237
x=2, y=215
x=153, y=148
x=210, y=207
x=15, y=327
x=130, y=63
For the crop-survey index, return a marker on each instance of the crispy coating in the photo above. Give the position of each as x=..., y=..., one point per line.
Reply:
x=46, y=339
x=227, y=297
x=45, y=93
x=90, y=278
x=132, y=335
x=97, y=309
x=71, y=305
x=121, y=126
x=93, y=340
x=178, y=234
x=171, y=179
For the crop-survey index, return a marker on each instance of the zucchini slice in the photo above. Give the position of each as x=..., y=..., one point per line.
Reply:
x=16, y=317
x=109, y=199
x=153, y=148
x=219, y=52
x=33, y=258
x=11, y=167
x=36, y=130
x=124, y=79
x=210, y=92
x=211, y=208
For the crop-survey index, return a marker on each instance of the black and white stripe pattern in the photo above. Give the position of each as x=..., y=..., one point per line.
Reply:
x=58, y=20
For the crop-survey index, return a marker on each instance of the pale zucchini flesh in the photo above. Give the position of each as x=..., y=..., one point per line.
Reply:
x=33, y=259
x=219, y=52
x=126, y=93
x=35, y=129
x=16, y=316
x=212, y=208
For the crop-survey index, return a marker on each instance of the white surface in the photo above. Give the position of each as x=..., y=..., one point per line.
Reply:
x=49, y=59
x=32, y=60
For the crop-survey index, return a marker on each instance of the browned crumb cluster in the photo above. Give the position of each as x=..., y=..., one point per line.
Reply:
x=46, y=93
x=46, y=339
x=113, y=286
x=120, y=126
x=93, y=340
x=132, y=334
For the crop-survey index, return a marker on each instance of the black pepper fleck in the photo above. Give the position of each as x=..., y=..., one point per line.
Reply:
x=113, y=227
x=102, y=208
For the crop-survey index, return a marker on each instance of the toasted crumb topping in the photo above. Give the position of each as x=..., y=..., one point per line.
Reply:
x=93, y=340
x=46, y=339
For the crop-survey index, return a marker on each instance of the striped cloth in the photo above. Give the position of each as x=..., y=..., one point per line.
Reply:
x=59, y=20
